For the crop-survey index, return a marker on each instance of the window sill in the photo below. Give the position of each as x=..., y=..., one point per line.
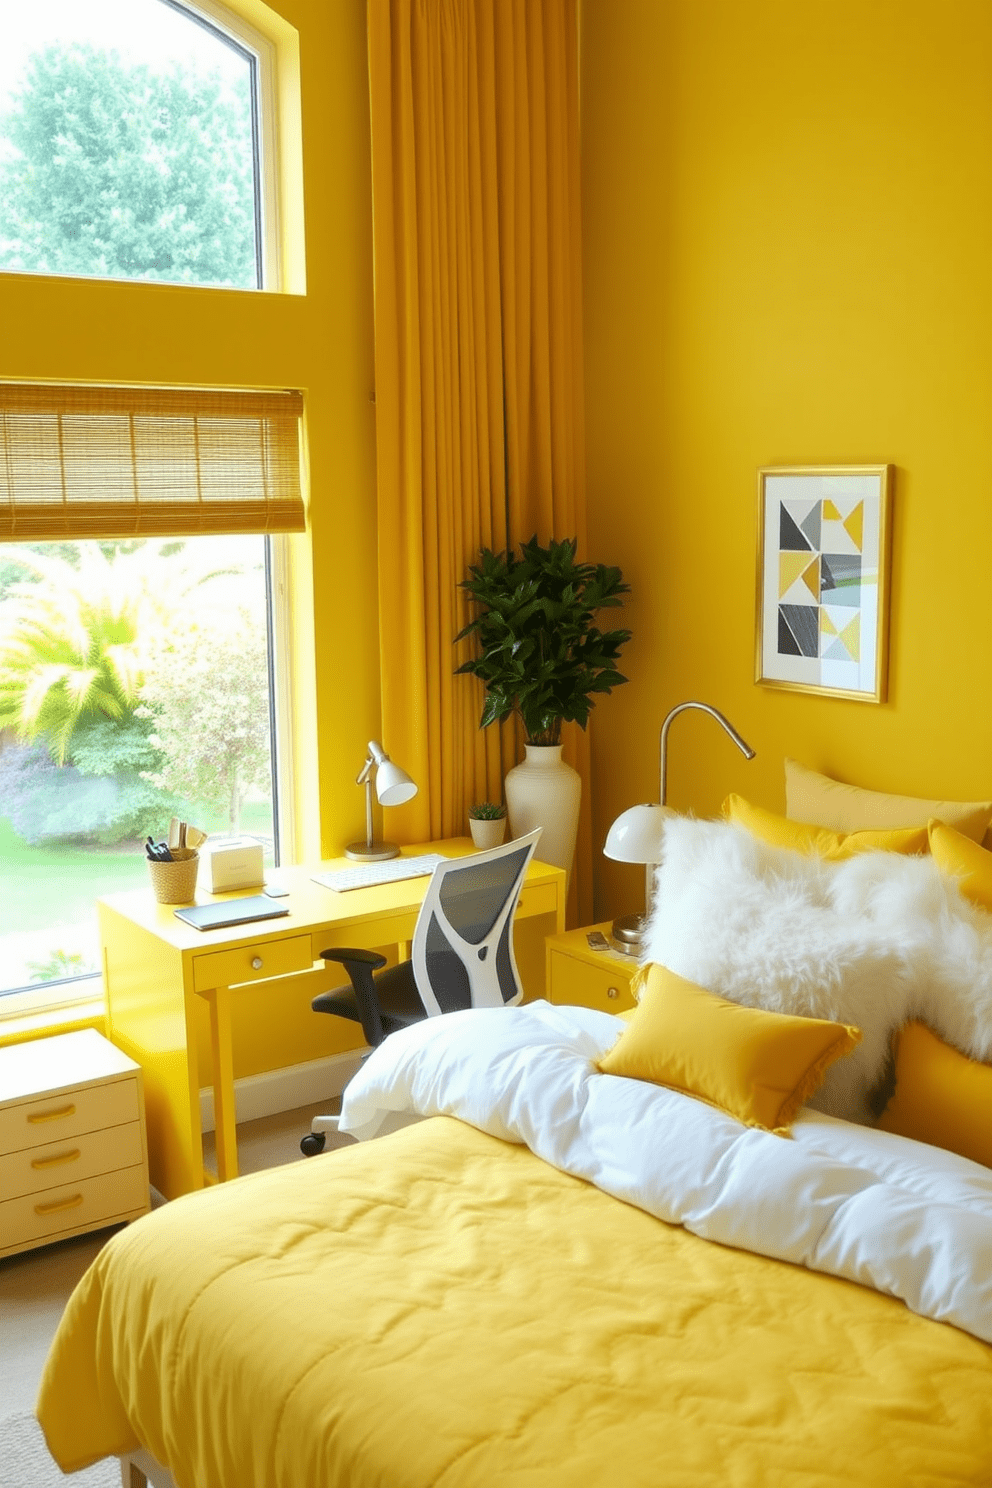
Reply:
x=23, y=1024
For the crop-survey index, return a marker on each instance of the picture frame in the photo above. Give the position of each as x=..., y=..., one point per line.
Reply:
x=823, y=579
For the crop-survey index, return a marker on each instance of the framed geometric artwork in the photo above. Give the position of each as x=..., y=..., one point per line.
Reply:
x=823, y=568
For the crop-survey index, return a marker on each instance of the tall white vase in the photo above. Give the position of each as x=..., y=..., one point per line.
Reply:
x=543, y=791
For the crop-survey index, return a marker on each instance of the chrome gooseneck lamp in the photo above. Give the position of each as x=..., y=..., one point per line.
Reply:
x=637, y=834
x=393, y=786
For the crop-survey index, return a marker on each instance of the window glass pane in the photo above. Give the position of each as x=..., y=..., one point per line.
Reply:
x=135, y=685
x=126, y=145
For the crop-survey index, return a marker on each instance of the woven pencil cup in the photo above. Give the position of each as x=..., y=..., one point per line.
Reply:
x=175, y=882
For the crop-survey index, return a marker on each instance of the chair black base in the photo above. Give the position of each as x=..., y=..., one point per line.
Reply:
x=312, y=1143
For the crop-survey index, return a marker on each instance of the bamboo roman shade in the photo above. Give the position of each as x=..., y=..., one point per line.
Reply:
x=78, y=462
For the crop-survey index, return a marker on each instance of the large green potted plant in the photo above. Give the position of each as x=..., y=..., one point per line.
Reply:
x=542, y=657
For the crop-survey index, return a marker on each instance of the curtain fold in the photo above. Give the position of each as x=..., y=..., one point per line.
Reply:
x=479, y=423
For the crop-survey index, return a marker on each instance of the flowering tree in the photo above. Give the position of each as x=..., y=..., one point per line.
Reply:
x=206, y=691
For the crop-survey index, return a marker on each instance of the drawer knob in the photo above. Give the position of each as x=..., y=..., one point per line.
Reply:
x=57, y=1115
x=612, y=992
x=256, y=963
x=57, y=1161
x=72, y=1203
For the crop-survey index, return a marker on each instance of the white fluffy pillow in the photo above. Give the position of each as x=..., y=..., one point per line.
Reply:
x=874, y=941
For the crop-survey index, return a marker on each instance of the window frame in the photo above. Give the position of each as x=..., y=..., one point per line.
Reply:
x=265, y=126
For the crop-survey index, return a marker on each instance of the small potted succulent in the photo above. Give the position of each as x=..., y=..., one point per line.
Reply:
x=487, y=823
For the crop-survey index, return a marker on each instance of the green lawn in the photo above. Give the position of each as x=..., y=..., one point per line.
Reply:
x=58, y=882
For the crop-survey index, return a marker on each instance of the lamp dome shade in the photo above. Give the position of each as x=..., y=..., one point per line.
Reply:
x=637, y=835
x=393, y=786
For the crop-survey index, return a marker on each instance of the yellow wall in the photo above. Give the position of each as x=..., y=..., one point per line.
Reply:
x=320, y=341
x=788, y=258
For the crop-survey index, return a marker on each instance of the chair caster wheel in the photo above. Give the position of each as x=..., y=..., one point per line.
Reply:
x=312, y=1143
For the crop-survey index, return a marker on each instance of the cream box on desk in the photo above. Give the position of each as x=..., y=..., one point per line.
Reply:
x=230, y=863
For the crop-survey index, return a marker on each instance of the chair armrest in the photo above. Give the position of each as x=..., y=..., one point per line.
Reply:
x=345, y=954
x=360, y=965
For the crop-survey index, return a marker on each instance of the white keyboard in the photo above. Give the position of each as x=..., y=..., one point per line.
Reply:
x=365, y=875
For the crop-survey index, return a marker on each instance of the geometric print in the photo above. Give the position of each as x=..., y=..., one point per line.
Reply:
x=820, y=579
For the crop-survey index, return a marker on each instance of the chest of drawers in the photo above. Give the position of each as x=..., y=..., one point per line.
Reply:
x=73, y=1154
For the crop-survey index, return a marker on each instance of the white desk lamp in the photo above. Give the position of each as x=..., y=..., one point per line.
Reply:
x=393, y=786
x=637, y=834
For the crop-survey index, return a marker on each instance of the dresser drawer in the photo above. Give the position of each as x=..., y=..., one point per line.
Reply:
x=53, y=1118
x=274, y=957
x=34, y=1218
x=34, y=1169
x=606, y=987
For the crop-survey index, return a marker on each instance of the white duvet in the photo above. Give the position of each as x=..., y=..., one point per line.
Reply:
x=896, y=1215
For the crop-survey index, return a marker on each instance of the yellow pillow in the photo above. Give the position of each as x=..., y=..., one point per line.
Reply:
x=964, y=860
x=756, y=1066
x=804, y=837
x=812, y=797
x=941, y=1097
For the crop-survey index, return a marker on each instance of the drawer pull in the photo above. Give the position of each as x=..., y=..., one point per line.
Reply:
x=72, y=1203
x=612, y=992
x=256, y=963
x=39, y=1116
x=57, y=1161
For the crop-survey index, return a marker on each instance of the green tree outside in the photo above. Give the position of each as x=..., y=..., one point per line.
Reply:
x=124, y=172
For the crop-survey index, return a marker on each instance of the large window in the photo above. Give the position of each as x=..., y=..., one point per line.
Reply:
x=132, y=144
x=136, y=674
x=136, y=684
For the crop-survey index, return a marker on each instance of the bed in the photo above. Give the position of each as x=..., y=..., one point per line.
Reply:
x=558, y=1275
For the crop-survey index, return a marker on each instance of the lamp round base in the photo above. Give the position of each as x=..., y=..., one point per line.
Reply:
x=626, y=933
x=371, y=852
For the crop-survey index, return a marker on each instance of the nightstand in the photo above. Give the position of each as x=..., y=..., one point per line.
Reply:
x=73, y=1156
x=578, y=974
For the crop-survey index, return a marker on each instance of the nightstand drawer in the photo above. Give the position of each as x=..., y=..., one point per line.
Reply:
x=35, y=1218
x=252, y=963
x=606, y=987
x=66, y=1114
x=34, y=1169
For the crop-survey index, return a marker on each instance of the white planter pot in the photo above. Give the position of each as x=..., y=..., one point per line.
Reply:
x=487, y=833
x=543, y=791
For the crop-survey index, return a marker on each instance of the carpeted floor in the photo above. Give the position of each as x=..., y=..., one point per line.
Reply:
x=25, y=1461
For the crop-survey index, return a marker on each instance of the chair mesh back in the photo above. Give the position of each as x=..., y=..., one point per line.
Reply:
x=445, y=971
x=473, y=898
x=463, y=943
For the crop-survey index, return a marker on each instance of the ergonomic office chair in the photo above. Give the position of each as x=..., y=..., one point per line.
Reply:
x=462, y=956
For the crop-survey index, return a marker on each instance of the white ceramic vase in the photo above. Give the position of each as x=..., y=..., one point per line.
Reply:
x=543, y=791
x=487, y=833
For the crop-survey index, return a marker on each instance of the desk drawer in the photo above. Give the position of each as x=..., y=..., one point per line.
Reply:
x=230, y=968
x=34, y=1169
x=538, y=899
x=53, y=1118
x=34, y=1218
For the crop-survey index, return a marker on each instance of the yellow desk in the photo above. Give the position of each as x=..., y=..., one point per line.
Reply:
x=159, y=971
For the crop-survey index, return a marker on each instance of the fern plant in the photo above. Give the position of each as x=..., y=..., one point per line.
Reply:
x=540, y=653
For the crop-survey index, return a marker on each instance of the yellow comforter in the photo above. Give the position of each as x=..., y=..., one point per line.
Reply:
x=440, y=1309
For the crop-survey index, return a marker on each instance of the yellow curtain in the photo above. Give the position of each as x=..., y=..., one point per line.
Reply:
x=475, y=197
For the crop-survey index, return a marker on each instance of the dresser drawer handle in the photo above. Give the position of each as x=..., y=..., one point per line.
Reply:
x=57, y=1161
x=256, y=963
x=39, y=1116
x=72, y=1203
x=612, y=992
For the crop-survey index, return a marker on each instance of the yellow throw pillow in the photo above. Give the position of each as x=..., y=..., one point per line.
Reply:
x=756, y=1066
x=805, y=837
x=812, y=797
x=941, y=1097
x=964, y=860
